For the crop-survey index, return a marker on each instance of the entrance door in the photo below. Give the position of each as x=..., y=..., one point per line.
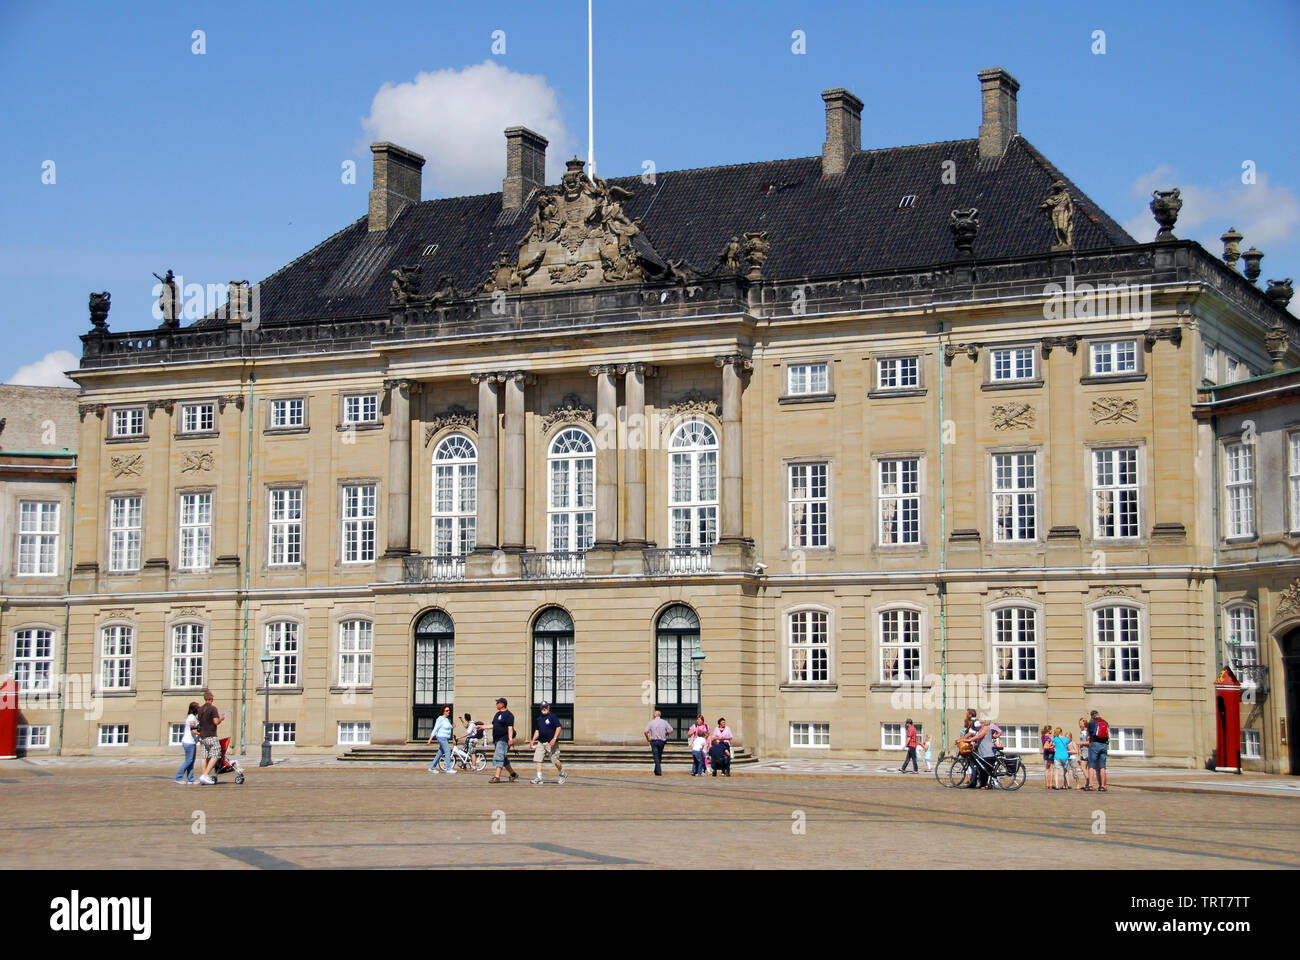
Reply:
x=434, y=672
x=553, y=669
x=1291, y=664
x=678, y=687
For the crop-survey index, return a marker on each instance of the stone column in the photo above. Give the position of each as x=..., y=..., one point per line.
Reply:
x=606, y=454
x=733, y=506
x=638, y=439
x=515, y=475
x=399, y=468
x=486, y=522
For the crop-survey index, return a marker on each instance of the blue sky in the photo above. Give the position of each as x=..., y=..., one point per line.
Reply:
x=228, y=164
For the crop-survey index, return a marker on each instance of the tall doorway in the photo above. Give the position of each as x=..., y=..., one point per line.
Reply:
x=677, y=694
x=553, y=669
x=434, y=674
x=1291, y=665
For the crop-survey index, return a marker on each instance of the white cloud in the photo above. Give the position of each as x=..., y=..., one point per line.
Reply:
x=457, y=119
x=46, y=372
x=1264, y=214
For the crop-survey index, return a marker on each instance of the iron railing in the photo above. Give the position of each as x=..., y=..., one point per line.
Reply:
x=670, y=561
x=557, y=565
x=1252, y=675
x=432, y=569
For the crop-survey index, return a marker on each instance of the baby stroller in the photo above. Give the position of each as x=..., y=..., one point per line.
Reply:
x=228, y=765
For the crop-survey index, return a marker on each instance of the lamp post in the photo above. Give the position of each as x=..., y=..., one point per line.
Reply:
x=697, y=664
x=268, y=662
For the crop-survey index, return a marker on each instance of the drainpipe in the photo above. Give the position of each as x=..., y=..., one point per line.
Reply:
x=1214, y=491
x=943, y=555
x=67, y=609
x=248, y=529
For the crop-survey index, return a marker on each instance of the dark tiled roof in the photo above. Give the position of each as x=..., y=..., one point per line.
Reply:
x=817, y=227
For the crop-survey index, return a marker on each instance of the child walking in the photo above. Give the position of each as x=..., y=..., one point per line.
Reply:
x=928, y=755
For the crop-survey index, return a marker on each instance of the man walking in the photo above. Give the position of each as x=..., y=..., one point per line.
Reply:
x=209, y=717
x=911, y=748
x=657, y=732
x=546, y=741
x=503, y=734
x=1098, y=747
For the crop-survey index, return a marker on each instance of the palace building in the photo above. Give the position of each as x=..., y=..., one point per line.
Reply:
x=817, y=445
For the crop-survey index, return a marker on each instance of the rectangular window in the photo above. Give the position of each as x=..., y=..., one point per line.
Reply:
x=1236, y=370
x=113, y=734
x=38, y=538
x=353, y=732
x=1015, y=496
x=1293, y=476
x=1210, y=370
x=175, y=733
x=1013, y=363
x=286, y=414
x=897, y=373
x=803, y=379
x=899, y=496
x=893, y=736
x=356, y=652
x=128, y=422
x=1118, y=643
x=359, y=524
x=809, y=647
x=1127, y=740
x=187, y=655
x=900, y=646
x=809, y=505
x=1020, y=738
x=116, y=655
x=34, y=660
x=286, y=527
x=198, y=417
x=1114, y=357
x=1252, y=745
x=1243, y=641
x=124, y=527
x=1015, y=644
x=361, y=408
x=282, y=645
x=285, y=733
x=1239, y=488
x=1115, y=492
x=196, y=531
x=810, y=734
x=33, y=736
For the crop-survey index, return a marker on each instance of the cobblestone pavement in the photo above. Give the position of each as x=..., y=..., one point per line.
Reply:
x=73, y=813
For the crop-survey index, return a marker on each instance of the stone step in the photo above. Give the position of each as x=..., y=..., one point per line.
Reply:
x=584, y=753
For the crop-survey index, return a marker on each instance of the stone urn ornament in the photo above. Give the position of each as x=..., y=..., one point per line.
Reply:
x=1231, y=247
x=965, y=228
x=99, y=306
x=1280, y=292
x=1252, y=258
x=1165, y=207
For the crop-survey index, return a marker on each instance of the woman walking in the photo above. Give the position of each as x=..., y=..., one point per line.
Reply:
x=1049, y=755
x=186, y=773
x=441, y=733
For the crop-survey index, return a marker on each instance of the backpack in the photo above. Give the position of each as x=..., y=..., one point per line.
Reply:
x=1103, y=731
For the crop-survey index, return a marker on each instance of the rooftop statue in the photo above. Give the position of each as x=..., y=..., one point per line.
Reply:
x=1060, y=208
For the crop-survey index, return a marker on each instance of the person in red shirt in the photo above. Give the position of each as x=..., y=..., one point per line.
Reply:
x=911, y=748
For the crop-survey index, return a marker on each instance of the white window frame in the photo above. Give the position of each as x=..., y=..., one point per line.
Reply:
x=810, y=735
x=1293, y=477
x=360, y=408
x=1097, y=627
x=1128, y=741
x=1107, y=354
x=694, y=457
x=1239, y=490
x=807, y=379
x=114, y=734
x=1116, y=495
x=1209, y=363
x=812, y=529
x=205, y=410
x=284, y=415
x=1252, y=744
x=33, y=736
x=194, y=534
x=117, y=648
x=128, y=422
x=571, y=491
x=286, y=512
x=898, y=378
x=1015, y=496
x=175, y=734
x=283, y=732
x=187, y=659
x=354, y=729
x=356, y=652
x=1015, y=616
x=1021, y=738
x=455, y=496
x=283, y=641
x=38, y=537
x=1241, y=635
x=125, y=539
x=893, y=625
x=891, y=731
x=1014, y=360
x=808, y=632
x=33, y=670
x=894, y=468
x=359, y=522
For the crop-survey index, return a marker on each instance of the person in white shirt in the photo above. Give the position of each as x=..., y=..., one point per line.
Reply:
x=186, y=773
x=698, y=745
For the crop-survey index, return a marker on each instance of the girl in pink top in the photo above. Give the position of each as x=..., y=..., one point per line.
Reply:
x=700, y=728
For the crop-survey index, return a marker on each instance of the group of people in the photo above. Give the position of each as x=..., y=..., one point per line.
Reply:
x=1065, y=757
x=709, y=748
x=545, y=741
x=200, y=730
x=915, y=742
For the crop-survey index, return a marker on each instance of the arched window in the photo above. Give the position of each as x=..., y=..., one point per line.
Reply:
x=282, y=645
x=693, y=485
x=188, y=645
x=116, y=652
x=571, y=502
x=1117, y=644
x=553, y=668
x=678, y=686
x=356, y=653
x=1015, y=644
x=900, y=645
x=435, y=651
x=810, y=646
x=455, y=496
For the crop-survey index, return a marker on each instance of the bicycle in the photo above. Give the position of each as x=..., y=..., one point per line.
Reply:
x=469, y=759
x=1004, y=772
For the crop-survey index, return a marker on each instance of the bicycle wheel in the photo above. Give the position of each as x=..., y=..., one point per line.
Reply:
x=1008, y=780
x=478, y=762
x=956, y=773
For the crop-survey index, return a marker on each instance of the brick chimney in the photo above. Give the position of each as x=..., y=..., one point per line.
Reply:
x=525, y=166
x=998, y=92
x=396, y=185
x=843, y=130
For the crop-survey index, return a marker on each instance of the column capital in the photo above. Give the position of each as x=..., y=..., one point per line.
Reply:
x=599, y=369
x=645, y=369
x=96, y=408
x=734, y=359
x=398, y=383
x=521, y=376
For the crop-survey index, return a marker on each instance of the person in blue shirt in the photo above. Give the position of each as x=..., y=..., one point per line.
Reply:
x=442, y=733
x=546, y=741
x=1062, y=744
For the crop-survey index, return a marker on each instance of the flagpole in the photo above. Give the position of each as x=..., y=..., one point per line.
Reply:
x=591, y=126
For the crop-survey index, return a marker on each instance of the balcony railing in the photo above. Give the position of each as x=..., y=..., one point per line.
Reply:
x=670, y=561
x=558, y=565
x=432, y=569
x=1252, y=675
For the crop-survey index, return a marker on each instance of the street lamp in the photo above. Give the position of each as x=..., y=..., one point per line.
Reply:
x=697, y=664
x=268, y=662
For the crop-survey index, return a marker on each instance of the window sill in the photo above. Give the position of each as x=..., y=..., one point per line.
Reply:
x=1093, y=378
x=809, y=687
x=284, y=431
x=115, y=692
x=888, y=686
x=1012, y=384
x=143, y=438
x=276, y=691
x=368, y=688
x=197, y=435
x=1117, y=688
x=182, y=691
x=900, y=548
x=807, y=398
x=364, y=425
x=1018, y=686
x=899, y=392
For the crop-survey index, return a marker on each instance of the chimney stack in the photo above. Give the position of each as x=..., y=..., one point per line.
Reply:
x=998, y=89
x=396, y=184
x=525, y=166
x=843, y=130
